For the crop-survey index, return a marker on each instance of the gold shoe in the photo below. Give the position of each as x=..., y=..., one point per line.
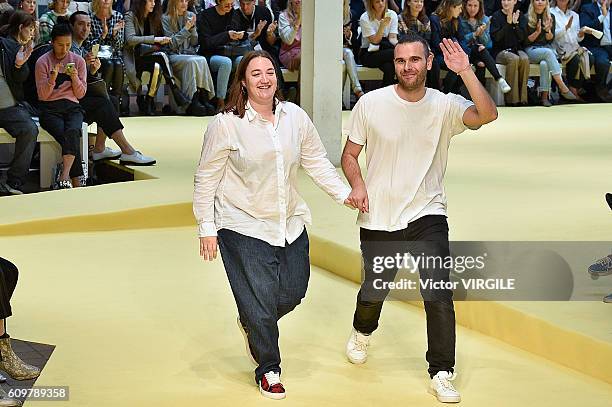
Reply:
x=13, y=365
x=6, y=401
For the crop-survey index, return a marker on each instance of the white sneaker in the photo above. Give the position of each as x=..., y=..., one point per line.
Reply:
x=136, y=159
x=357, y=347
x=442, y=388
x=107, y=154
x=505, y=88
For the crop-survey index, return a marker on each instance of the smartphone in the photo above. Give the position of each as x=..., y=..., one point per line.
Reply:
x=95, y=49
x=69, y=68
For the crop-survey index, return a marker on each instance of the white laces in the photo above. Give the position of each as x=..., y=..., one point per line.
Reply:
x=360, y=345
x=606, y=261
x=445, y=378
x=272, y=378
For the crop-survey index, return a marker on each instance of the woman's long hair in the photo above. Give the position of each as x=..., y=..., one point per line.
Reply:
x=18, y=18
x=138, y=8
x=407, y=14
x=532, y=18
x=292, y=12
x=172, y=12
x=238, y=96
x=444, y=13
x=370, y=9
x=346, y=12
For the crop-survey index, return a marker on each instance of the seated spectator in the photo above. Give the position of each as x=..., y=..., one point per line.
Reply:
x=413, y=19
x=290, y=32
x=214, y=32
x=190, y=69
x=495, y=5
x=445, y=24
x=144, y=38
x=379, y=29
x=61, y=80
x=540, y=35
x=107, y=30
x=357, y=9
x=476, y=39
x=29, y=6
x=98, y=108
x=568, y=35
x=57, y=8
x=508, y=30
x=15, y=117
x=9, y=361
x=350, y=66
x=597, y=16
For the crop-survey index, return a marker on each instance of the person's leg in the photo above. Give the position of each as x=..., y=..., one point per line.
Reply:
x=252, y=268
x=117, y=81
x=351, y=69
x=18, y=122
x=8, y=281
x=538, y=56
x=73, y=119
x=223, y=67
x=523, y=74
x=294, y=273
x=511, y=61
x=52, y=120
x=489, y=62
x=602, y=67
x=574, y=80
x=382, y=60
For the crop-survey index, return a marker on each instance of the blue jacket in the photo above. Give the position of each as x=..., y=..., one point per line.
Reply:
x=589, y=17
x=438, y=32
x=484, y=39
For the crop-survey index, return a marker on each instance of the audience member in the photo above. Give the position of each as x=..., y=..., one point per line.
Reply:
x=445, y=24
x=350, y=66
x=290, y=31
x=596, y=16
x=57, y=8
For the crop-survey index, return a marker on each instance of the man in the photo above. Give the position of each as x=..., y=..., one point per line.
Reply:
x=597, y=16
x=407, y=128
x=100, y=109
x=15, y=115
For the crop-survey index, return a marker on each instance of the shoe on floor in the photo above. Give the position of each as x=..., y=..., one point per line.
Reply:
x=64, y=184
x=443, y=389
x=546, y=103
x=503, y=85
x=247, y=345
x=8, y=189
x=137, y=158
x=357, y=347
x=568, y=95
x=601, y=267
x=608, y=299
x=6, y=401
x=609, y=199
x=107, y=154
x=271, y=387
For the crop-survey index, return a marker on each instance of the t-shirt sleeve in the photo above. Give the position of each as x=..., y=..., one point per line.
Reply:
x=456, y=107
x=393, y=27
x=367, y=30
x=355, y=128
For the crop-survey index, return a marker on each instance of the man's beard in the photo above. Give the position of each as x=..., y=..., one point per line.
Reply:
x=415, y=84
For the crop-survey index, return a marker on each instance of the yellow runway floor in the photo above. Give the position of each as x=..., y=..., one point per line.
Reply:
x=111, y=276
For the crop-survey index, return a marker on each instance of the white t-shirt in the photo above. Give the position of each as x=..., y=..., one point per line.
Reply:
x=406, y=147
x=369, y=28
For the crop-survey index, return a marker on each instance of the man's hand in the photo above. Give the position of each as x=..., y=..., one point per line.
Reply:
x=454, y=57
x=208, y=247
x=358, y=199
x=23, y=54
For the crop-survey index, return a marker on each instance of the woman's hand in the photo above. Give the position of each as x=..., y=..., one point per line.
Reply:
x=208, y=247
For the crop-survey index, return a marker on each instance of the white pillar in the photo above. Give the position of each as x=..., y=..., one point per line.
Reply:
x=321, y=71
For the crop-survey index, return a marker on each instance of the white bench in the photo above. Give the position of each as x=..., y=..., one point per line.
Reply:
x=51, y=153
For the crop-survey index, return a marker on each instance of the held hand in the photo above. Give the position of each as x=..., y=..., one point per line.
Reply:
x=74, y=74
x=95, y=65
x=234, y=35
x=23, y=54
x=480, y=47
x=89, y=58
x=358, y=199
x=208, y=247
x=515, y=16
x=454, y=57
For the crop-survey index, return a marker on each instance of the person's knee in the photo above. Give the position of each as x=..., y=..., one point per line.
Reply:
x=543, y=65
x=72, y=141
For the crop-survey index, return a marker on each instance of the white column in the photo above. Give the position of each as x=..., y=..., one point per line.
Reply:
x=321, y=71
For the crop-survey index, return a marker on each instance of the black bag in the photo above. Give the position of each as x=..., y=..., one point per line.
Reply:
x=142, y=50
x=97, y=88
x=235, y=48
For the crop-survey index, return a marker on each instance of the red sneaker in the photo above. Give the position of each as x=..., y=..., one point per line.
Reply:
x=271, y=387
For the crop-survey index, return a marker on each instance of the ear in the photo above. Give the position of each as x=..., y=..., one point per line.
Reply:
x=430, y=58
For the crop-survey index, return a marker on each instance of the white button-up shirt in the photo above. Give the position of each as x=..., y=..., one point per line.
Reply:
x=607, y=37
x=565, y=40
x=246, y=180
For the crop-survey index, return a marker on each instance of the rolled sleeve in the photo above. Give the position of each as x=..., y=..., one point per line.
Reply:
x=355, y=129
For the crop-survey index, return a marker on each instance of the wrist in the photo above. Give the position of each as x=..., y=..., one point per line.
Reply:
x=468, y=67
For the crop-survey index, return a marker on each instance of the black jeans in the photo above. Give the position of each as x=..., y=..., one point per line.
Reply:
x=489, y=63
x=112, y=73
x=145, y=63
x=426, y=236
x=571, y=69
x=602, y=56
x=8, y=281
x=382, y=60
x=18, y=122
x=100, y=110
x=63, y=119
x=267, y=282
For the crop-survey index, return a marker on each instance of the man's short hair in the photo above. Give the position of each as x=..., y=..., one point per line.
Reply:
x=412, y=37
x=61, y=29
x=74, y=16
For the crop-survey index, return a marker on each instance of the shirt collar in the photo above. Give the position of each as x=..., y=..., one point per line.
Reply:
x=251, y=114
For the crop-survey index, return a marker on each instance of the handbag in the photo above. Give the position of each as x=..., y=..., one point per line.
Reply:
x=142, y=50
x=97, y=88
x=235, y=48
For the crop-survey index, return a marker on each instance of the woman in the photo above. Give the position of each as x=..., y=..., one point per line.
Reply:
x=142, y=52
x=508, y=30
x=568, y=35
x=57, y=8
x=379, y=29
x=290, y=32
x=107, y=30
x=246, y=197
x=413, y=18
x=191, y=69
x=29, y=6
x=445, y=24
x=214, y=34
x=61, y=80
x=477, y=40
x=540, y=35
x=350, y=66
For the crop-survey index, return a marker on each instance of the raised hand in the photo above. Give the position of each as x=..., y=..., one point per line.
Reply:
x=454, y=57
x=23, y=54
x=548, y=25
x=260, y=27
x=117, y=28
x=104, y=29
x=515, y=16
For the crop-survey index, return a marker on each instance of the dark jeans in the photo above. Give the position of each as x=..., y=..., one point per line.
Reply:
x=112, y=73
x=146, y=63
x=100, y=110
x=8, y=282
x=382, y=60
x=426, y=236
x=63, y=119
x=602, y=56
x=18, y=122
x=267, y=282
x=489, y=63
x=571, y=69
